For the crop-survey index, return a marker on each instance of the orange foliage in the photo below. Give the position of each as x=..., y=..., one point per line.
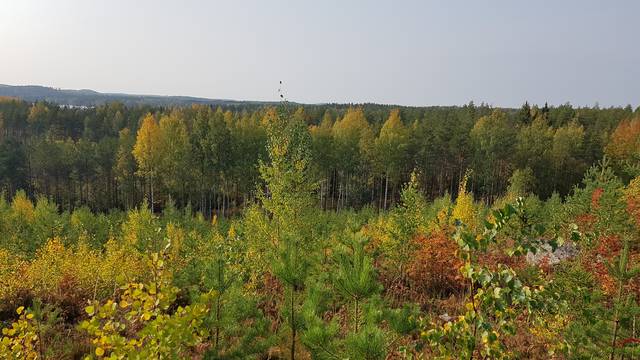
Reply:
x=595, y=261
x=585, y=221
x=271, y=291
x=607, y=251
x=496, y=256
x=595, y=197
x=609, y=247
x=625, y=140
x=434, y=267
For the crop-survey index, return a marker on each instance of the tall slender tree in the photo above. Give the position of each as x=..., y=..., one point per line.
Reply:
x=288, y=200
x=391, y=151
x=147, y=151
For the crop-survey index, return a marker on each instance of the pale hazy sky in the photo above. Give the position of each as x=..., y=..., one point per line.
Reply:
x=399, y=52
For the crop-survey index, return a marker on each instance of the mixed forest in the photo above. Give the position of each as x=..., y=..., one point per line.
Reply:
x=319, y=232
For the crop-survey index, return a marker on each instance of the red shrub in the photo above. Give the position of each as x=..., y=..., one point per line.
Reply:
x=595, y=197
x=434, y=267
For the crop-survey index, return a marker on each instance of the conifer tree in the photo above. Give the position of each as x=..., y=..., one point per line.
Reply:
x=238, y=329
x=355, y=275
x=355, y=280
x=621, y=271
x=125, y=166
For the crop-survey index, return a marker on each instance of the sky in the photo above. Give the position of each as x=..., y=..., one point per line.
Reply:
x=395, y=52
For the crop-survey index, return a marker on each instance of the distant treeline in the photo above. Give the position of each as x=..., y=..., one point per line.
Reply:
x=90, y=98
x=115, y=156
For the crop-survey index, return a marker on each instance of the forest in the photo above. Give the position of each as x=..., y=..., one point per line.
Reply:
x=334, y=231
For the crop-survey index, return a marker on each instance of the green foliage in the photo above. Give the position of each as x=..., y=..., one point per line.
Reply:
x=210, y=157
x=402, y=225
x=355, y=277
x=289, y=202
x=521, y=183
x=368, y=343
x=142, y=230
x=145, y=310
x=600, y=197
x=497, y=298
x=260, y=265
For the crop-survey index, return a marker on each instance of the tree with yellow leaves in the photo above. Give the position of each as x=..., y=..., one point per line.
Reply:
x=391, y=150
x=147, y=150
x=465, y=210
x=353, y=143
x=175, y=153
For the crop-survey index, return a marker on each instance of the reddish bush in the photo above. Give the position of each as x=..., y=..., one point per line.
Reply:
x=434, y=267
x=595, y=197
x=271, y=291
x=585, y=222
x=496, y=256
x=606, y=252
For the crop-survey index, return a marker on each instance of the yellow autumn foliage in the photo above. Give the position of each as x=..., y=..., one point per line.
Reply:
x=20, y=340
x=465, y=210
x=140, y=325
x=10, y=265
x=68, y=275
x=548, y=331
x=22, y=207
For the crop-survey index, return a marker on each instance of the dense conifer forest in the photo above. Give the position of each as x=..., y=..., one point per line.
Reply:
x=356, y=231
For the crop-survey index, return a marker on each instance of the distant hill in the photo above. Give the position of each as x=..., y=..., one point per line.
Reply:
x=87, y=97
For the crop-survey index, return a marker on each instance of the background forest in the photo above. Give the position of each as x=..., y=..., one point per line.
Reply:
x=319, y=231
x=112, y=156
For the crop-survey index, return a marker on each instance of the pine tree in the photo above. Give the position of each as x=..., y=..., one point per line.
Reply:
x=355, y=280
x=125, y=166
x=218, y=280
x=623, y=274
x=355, y=275
x=524, y=115
x=230, y=314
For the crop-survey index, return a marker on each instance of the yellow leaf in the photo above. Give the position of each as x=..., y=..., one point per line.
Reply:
x=20, y=310
x=90, y=309
x=29, y=316
x=99, y=351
